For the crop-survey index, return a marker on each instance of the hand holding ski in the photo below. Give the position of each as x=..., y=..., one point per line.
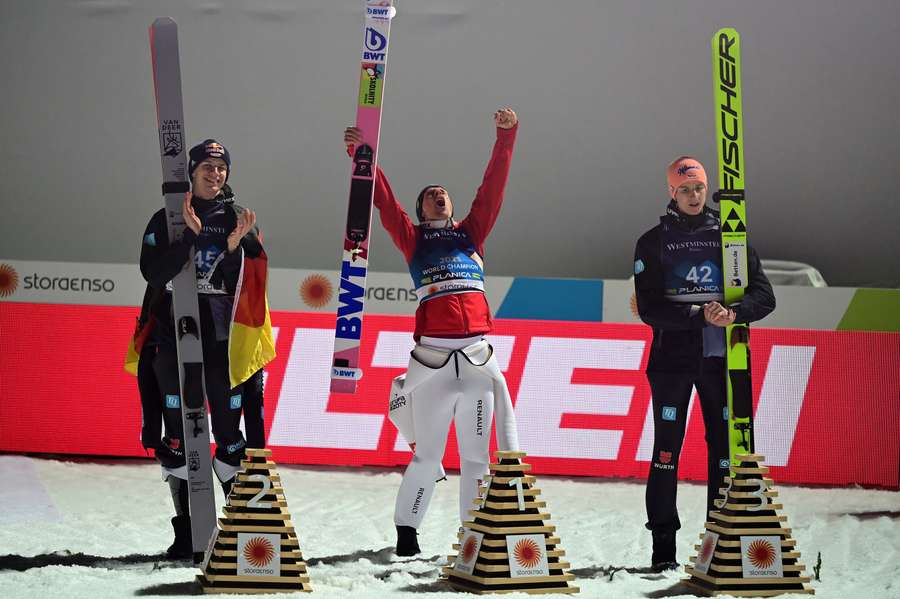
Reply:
x=718, y=315
x=191, y=220
x=352, y=138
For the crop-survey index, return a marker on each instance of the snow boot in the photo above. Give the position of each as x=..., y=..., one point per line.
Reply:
x=663, y=557
x=407, y=544
x=181, y=548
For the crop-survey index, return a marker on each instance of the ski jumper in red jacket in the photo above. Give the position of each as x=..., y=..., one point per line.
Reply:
x=453, y=374
x=463, y=312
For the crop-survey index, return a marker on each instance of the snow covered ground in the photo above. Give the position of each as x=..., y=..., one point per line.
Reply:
x=91, y=530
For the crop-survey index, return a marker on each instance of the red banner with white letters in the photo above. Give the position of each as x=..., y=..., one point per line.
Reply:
x=827, y=402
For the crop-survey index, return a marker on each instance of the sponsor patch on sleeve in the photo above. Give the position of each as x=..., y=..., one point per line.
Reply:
x=638, y=266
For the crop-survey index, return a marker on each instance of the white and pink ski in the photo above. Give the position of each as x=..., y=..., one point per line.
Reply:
x=345, y=369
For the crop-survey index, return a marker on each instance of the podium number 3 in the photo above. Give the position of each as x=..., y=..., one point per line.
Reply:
x=759, y=493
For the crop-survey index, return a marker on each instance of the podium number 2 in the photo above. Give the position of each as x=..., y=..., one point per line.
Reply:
x=255, y=502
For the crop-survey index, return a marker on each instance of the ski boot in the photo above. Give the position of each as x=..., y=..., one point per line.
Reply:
x=663, y=557
x=407, y=544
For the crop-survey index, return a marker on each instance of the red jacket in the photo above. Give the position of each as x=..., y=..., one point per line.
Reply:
x=458, y=314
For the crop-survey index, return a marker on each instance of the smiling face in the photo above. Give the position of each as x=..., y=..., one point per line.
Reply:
x=436, y=204
x=209, y=178
x=690, y=197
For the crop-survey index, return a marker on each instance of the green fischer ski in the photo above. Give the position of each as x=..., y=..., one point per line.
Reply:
x=726, y=59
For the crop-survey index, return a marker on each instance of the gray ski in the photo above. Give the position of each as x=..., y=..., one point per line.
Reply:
x=170, y=117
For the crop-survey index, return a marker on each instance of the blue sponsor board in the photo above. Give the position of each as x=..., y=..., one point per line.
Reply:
x=578, y=300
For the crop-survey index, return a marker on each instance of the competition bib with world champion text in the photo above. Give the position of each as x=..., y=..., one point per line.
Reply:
x=445, y=261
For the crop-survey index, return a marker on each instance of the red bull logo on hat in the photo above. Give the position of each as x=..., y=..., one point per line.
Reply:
x=215, y=149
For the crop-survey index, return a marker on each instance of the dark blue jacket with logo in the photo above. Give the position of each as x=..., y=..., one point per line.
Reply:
x=161, y=261
x=678, y=326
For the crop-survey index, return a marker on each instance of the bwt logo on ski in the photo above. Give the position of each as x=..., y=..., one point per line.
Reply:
x=376, y=44
x=728, y=112
x=348, y=325
x=381, y=11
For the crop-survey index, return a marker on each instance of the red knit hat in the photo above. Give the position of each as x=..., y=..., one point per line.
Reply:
x=683, y=169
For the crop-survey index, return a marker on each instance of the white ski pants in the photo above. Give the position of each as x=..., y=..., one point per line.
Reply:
x=444, y=385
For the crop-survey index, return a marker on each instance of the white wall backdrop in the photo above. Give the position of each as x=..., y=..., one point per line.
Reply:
x=607, y=93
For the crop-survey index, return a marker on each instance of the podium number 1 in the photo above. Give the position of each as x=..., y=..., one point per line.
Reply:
x=517, y=482
x=484, y=491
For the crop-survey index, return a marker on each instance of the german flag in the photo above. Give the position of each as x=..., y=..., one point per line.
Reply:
x=142, y=331
x=134, y=348
x=250, y=344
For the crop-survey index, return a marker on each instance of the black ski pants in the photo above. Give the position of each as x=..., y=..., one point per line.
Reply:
x=252, y=402
x=225, y=403
x=671, y=397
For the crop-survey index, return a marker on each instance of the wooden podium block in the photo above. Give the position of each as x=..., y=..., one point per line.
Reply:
x=505, y=505
x=481, y=515
x=255, y=548
x=516, y=551
x=746, y=551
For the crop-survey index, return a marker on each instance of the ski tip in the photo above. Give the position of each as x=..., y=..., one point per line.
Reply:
x=163, y=22
x=726, y=33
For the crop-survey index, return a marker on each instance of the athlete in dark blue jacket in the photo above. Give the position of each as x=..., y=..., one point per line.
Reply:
x=679, y=288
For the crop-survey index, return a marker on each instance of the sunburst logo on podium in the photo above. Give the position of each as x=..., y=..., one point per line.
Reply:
x=761, y=554
x=259, y=552
x=9, y=280
x=468, y=549
x=527, y=553
x=316, y=291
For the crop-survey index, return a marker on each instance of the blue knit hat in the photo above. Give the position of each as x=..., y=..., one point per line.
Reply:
x=208, y=148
